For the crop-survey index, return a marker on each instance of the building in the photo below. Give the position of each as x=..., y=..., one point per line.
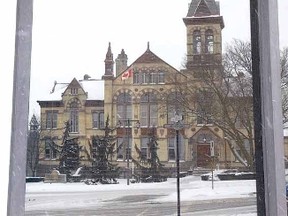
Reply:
x=140, y=97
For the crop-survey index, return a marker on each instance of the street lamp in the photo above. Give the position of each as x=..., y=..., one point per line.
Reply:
x=127, y=123
x=177, y=125
x=212, y=155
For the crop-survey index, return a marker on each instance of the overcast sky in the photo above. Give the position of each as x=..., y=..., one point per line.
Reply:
x=70, y=37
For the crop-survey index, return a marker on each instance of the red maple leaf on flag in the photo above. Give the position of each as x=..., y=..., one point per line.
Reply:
x=127, y=74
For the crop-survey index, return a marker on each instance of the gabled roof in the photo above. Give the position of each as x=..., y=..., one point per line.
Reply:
x=200, y=8
x=148, y=57
x=93, y=87
x=73, y=84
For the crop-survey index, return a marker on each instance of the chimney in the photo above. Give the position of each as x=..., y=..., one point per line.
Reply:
x=121, y=62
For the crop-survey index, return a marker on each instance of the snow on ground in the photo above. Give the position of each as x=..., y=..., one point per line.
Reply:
x=191, y=187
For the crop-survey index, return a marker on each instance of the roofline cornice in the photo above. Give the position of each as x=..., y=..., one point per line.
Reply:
x=204, y=20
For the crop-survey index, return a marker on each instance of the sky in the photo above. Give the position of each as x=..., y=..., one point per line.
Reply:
x=191, y=189
x=70, y=39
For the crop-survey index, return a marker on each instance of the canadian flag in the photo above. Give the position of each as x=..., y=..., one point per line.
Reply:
x=127, y=74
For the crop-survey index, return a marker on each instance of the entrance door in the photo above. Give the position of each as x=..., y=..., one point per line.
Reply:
x=203, y=155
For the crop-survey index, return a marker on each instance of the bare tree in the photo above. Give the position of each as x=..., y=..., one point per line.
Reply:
x=221, y=93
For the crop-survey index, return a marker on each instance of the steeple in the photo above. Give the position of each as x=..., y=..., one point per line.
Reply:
x=109, y=63
x=34, y=124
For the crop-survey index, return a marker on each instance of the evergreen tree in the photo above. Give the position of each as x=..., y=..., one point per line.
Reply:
x=102, y=150
x=150, y=168
x=69, y=156
x=33, y=150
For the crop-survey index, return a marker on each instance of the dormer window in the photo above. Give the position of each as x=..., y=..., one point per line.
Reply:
x=74, y=91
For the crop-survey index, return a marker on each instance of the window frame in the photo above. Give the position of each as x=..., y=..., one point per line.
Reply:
x=52, y=119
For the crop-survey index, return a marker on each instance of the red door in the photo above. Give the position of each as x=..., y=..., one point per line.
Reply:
x=203, y=155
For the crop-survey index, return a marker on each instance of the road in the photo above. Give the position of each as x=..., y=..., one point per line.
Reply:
x=135, y=205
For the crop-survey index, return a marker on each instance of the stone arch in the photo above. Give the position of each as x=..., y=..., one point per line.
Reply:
x=73, y=103
x=121, y=91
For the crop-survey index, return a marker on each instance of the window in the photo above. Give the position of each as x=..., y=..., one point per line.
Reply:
x=74, y=116
x=74, y=91
x=197, y=42
x=154, y=77
x=51, y=119
x=50, y=153
x=124, y=106
x=136, y=78
x=144, y=147
x=209, y=41
x=161, y=77
x=269, y=180
x=171, y=149
x=149, y=110
x=74, y=121
x=98, y=120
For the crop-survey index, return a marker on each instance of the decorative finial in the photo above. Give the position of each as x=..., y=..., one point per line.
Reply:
x=148, y=46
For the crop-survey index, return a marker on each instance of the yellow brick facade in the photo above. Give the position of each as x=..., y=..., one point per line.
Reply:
x=193, y=141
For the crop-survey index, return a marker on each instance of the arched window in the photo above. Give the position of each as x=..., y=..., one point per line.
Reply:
x=74, y=116
x=149, y=109
x=196, y=42
x=124, y=106
x=209, y=41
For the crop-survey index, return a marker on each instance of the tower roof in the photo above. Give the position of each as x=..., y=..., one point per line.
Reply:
x=109, y=55
x=200, y=8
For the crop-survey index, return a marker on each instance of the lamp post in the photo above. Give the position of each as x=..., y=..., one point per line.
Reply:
x=212, y=155
x=177, y=125
x=127, y=123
